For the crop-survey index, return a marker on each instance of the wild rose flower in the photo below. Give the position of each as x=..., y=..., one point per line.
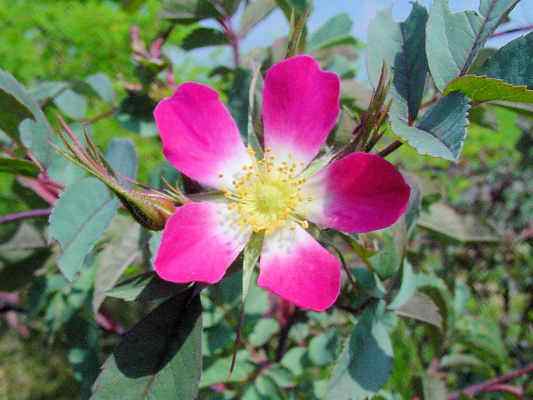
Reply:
x=358, y=193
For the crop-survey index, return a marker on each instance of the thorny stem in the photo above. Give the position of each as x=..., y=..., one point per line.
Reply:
x=44, y=212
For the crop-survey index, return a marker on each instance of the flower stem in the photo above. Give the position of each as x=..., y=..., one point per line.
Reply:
x=43, y=212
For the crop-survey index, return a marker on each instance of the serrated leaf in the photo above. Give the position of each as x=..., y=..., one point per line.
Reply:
x=203, y=37
x=103, y=86
x=443, y=219
x=80, y=217
x=334, y=31
x=454, y=39
x=71, y=104
x=254, y=13
x=18, y=167
x=366, y=361
x=160, y=358
x=441, y=131
x=399, y=47
x=512, y=63
x=482, y=89
x=117, y=255
x=146, y=287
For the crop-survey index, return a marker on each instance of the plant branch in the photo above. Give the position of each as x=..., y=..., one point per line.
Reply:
x=43, y=212
x=492, y=383
x=390, y=148
x=514, y=30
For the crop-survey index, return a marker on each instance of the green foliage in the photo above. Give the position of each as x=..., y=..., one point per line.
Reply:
x=442, y=130
x=80, y=217
x=455, y=267
x=366, y=361
x=160, y=357
x=482, y=88
x=450, y=49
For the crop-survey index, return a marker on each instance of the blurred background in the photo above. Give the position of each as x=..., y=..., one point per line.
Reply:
x=488, y=273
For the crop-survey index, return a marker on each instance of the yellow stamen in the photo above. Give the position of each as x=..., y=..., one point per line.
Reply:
x=266, y=196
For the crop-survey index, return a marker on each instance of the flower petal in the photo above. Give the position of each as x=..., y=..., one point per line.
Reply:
x=297, y=268
x=361, y=192
x=199, y=243
x=300, y=107
x=200, y=138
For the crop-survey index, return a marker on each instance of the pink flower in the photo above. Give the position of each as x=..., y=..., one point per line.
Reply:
x=358, y=193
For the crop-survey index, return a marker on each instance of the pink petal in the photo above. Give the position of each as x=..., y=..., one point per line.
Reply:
x=199, y=243
x=300, y=107
x=200, y=138
x=361, y=192
x=297, y=268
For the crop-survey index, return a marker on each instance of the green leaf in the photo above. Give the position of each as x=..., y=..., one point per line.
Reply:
x=422, y=308
x=15, y=104
x=80, y=217
x=122, y=158
x=117, y=255
x=295, y=360
x=512, y=63
x=254, y=13
x=160, y=358
x=407, y=287
x=441, y=131
x=366, y=361
x=384, y=42
x=334, y=31
x=189, y=10
x=71, y=104
x=483, y=88
x=146, y=287
x=454, y=39
x=103, y=86
x=218, y=371
x=444, y=220
x=239, y=97
x=18, y=167
x=323, y=348
x=36, y=136
x=263, y=331
x=203, y=37
x=410, y=64
x=388, y=259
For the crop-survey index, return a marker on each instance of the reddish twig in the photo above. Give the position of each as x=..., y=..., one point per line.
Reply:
x=233, y=40
x=44, y=212
x=492, y=384
x=514, y=30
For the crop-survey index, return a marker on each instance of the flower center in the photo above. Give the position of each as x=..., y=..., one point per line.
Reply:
x=266, y=195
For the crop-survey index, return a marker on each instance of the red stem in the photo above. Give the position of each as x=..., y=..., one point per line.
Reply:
x=492, y=383
x=514, y=30
x=44, y=212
